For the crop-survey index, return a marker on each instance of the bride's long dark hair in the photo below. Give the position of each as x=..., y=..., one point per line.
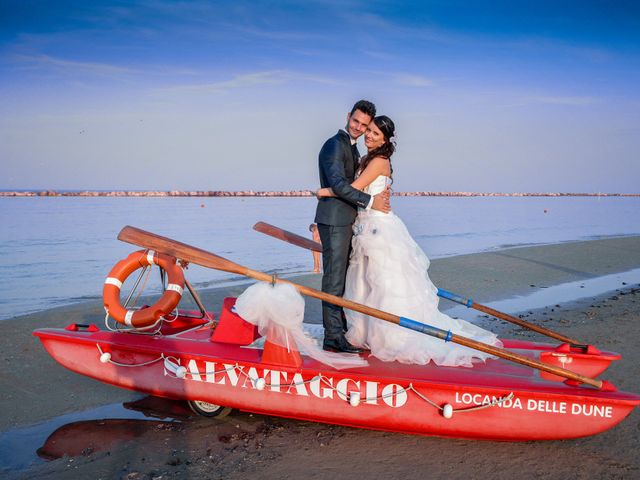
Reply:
x=388, y=129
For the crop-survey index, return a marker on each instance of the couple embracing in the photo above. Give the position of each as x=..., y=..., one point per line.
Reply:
x=369, y=257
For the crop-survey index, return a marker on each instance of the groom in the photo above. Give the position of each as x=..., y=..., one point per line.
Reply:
x=338, y=162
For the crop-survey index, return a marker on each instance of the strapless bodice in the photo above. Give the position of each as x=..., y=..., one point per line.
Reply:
x=378, y=185
x=374, y=188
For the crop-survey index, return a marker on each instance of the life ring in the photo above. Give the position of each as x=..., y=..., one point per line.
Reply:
x=150, y=315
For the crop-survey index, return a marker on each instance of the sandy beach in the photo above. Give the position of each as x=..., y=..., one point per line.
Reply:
x=35, y=389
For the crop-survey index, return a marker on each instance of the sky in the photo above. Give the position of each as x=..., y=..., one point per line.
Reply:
x=503, y=96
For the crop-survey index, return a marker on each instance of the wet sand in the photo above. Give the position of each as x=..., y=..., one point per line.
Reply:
x=36, y=388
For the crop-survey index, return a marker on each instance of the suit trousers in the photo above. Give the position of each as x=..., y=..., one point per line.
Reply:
x=336, y=246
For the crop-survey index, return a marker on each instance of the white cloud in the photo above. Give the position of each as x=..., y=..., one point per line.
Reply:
x=410, y=80
x=87, y=67
x=247, y=80
x=75, y=67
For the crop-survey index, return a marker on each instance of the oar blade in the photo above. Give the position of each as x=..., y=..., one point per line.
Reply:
x=142, y=238
x=470, y=303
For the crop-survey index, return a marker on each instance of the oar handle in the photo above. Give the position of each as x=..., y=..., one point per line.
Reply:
x=469, y=303
x=201, y=257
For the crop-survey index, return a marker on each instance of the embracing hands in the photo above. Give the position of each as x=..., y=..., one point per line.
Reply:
x=382, y=201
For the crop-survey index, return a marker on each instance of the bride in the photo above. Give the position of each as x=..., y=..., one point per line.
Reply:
x=388, y=271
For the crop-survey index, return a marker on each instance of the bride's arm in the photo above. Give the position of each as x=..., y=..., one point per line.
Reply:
x=377, y=166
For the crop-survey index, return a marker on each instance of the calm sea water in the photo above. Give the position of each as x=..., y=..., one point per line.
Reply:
x=56, y=251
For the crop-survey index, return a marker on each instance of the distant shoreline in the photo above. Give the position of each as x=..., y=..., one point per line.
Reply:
x=292, y=193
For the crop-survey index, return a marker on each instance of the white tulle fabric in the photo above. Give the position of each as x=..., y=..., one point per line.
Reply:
x=278, y=311
x=388, y=271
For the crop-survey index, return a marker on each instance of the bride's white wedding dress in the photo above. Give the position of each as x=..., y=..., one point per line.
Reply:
x=388, y=271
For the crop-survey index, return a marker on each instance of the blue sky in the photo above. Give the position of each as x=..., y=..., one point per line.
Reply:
x=487, y=96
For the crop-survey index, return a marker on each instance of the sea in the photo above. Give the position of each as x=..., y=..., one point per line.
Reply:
x=57, y=251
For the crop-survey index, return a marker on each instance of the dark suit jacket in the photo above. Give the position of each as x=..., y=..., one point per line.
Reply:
x=337, y=165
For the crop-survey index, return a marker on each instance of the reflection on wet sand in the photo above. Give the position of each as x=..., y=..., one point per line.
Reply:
x=89, y=436
x=85, y=437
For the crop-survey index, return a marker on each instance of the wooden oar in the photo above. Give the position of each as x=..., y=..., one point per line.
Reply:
x=303, y=242
x=207, y=259
x=289, y=237
x=469, y=303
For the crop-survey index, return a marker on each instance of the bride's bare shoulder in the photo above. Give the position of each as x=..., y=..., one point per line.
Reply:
x=382, y=165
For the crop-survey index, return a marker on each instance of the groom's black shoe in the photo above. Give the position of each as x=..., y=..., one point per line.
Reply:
x=340, y=345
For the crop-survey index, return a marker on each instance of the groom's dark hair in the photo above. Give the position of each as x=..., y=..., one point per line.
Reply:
x=365, y=107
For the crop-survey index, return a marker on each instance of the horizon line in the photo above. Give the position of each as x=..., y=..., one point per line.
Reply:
x=283, y=193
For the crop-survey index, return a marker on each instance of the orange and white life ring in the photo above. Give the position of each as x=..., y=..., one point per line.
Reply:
x=150, y=315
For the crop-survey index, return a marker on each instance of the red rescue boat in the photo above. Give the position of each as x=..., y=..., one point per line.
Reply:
x=218, y=368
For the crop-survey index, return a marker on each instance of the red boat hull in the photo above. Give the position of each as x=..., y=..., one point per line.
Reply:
x=383, y=396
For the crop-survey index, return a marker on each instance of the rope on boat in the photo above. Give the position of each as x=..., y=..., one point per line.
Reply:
x=139, y=330
x=497, y=401
x=260, y=383
x=206, y=372
x=411, y=388
x=105, y=357
x=144, y=283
